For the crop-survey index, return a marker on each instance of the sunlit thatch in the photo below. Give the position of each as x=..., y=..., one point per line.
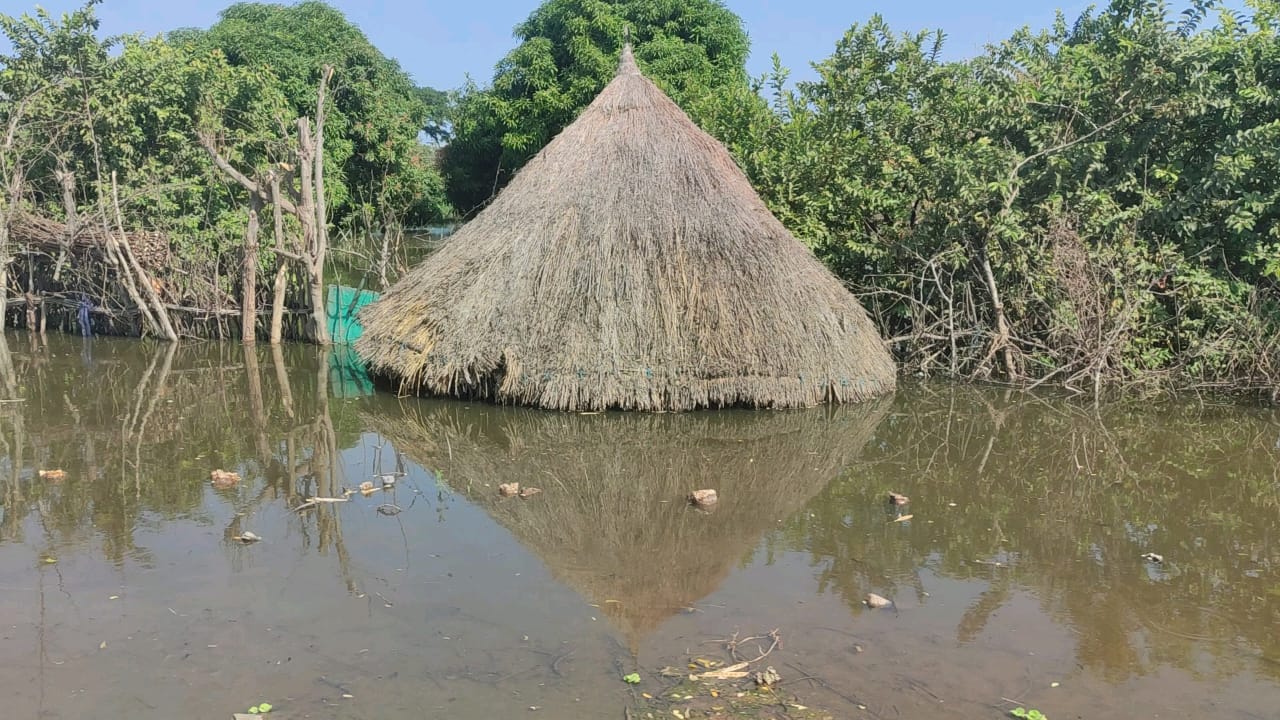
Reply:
x=630, y=265
x=612, y=522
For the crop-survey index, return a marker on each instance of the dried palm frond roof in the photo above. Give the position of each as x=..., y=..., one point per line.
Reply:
x=629, y=265
x=611, y=522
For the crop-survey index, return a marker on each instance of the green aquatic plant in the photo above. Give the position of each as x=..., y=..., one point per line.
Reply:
x=1027, y=714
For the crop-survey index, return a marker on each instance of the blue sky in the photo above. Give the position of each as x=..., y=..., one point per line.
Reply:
x=440, y=42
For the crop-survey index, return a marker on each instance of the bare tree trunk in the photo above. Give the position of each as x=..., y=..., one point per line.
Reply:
x=132, y=265
x=5, y=258
x=308, y=215
x=8, y=208
x=321, y=205
x=282, y=266
x=249, y=284
x=319, y=309
x=1003, y=341
x=116, y=256
x=67, y=180
x=392, y=239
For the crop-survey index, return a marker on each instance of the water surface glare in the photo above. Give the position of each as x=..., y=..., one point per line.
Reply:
x=1018, y=579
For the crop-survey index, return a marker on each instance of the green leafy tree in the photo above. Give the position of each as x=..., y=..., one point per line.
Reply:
x=372, y=136
x=568, y=51
x=436, y=127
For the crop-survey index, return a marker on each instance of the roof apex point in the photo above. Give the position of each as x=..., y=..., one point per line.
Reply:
x=627, y=63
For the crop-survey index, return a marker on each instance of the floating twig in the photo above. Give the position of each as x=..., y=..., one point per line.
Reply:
x=732, y=643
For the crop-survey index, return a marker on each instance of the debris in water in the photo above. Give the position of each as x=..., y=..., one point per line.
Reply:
x=366, y=488
x=389, y=509
x=224, y=479
x=246, y=537
x=733, y=672
x=387, y=480
x=768, y=677
x=704, y=498
x=509, y=489
x=53, y=475
x=875, y=602
x=529, y=492
x=1153, y=557
x=903, y=518
x=898, y=499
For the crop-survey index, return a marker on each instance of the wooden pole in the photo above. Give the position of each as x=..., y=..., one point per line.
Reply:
x=282, y=265
x=249, y=283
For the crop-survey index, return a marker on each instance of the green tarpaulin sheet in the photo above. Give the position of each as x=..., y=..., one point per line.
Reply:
x=341, y=306
x=347, y=376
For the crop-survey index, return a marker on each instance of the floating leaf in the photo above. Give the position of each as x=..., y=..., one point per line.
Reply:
x=632, y=679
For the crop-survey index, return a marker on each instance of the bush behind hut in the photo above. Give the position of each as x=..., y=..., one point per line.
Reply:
x=1093, y=204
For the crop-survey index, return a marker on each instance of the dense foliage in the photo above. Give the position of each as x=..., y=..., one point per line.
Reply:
x=1091, y=203
x=695, y=49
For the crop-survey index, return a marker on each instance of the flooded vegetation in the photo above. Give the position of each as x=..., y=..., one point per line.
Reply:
x=1015, y=570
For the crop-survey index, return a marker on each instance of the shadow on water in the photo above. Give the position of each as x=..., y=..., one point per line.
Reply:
x=1020, y=566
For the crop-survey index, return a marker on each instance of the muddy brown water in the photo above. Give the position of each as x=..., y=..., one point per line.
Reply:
x=1019, y=576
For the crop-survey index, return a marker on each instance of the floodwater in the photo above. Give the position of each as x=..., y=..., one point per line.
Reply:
x=1018, y=579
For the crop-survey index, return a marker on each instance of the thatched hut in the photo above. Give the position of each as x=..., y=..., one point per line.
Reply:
x=611, y=522
x=629, y=265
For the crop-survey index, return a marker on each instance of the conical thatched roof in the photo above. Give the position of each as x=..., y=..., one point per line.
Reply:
x=611, y=521
x=629, y=265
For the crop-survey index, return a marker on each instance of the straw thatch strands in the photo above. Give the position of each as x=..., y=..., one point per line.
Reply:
x=630, y=265
x=613, y=521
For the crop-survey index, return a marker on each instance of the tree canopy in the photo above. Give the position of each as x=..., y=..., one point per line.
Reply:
x=568, y=51
x=377, y=115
